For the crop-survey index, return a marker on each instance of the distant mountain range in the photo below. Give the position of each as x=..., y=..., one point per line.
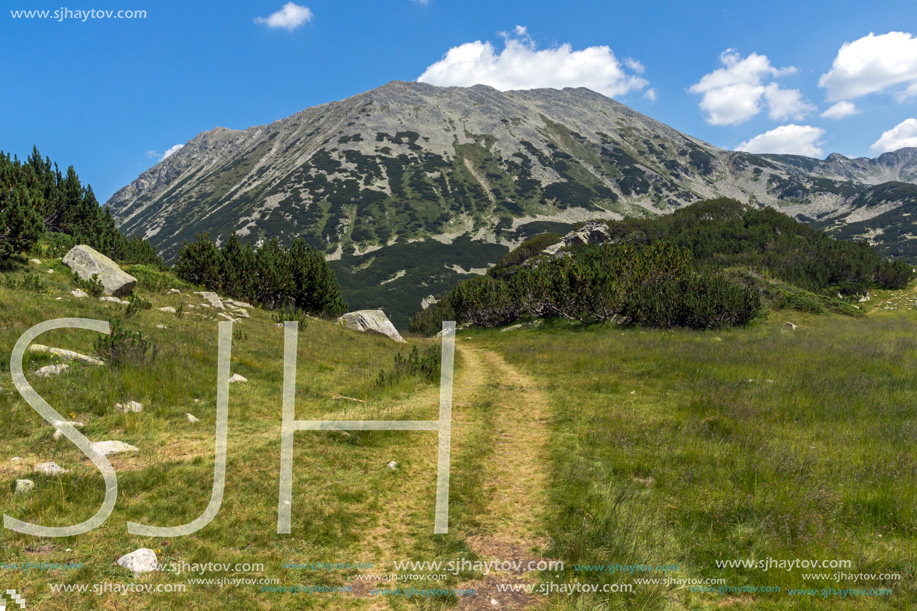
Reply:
x=410, y=187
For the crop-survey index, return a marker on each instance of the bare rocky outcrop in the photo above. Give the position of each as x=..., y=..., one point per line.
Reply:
x=87, y=262
x=370, y=320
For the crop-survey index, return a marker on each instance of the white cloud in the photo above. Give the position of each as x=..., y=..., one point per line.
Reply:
x=736, y=92
x=423, y=2
x=787, y=139
x=171, y=150
x=290, y=17
x=901, y=136
x=521, y=65
x=841, y=110
x=650, y=95
x=786, y=104
x=872, y=64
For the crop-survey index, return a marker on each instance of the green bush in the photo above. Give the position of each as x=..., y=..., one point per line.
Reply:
x=430, y=321
x=424, y=365
x=135, y=305
x=124, y=347
x=698, y=301
x=93, y=286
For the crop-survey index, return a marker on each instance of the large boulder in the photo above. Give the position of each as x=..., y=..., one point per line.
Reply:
x=370, y=320
x=86, y=262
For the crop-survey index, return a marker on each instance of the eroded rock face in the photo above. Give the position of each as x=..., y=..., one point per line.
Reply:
x=86, y=262
x=370, y=320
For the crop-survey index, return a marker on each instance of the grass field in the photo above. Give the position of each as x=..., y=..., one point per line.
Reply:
x=592, y=446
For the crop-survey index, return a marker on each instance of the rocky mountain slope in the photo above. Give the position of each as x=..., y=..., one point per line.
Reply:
x=410, y=187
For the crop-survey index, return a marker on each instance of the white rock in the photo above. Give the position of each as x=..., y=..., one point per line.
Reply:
x=212, y=298
x=161, y=327
x=86, y=261
x=392, y=465
x=237, y=378
x=191, y=418
x=226, y=316
x=140, y=561
x=16, y=459
x=24, y=486
x=370, y=320
x=107, y=448
x=58, y=433
x=34, y=261
x=169, y=309
x=52, y=370
x=79, y=293
x=67, y=355
x=241, y=313
x=174, y=292
x=49, y=468
x=238, y=304
x=50, y=271
x=129, y=407
x=790, y=326
x=113, y=300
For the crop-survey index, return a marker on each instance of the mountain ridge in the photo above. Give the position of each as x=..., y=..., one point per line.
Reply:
x=367, y=178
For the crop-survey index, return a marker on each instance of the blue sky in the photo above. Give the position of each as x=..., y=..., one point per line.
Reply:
x=111, y=96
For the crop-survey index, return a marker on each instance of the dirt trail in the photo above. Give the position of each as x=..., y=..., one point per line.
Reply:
x=516, y=479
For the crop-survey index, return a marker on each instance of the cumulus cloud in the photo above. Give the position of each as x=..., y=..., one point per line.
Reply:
x=872, y=64
x=787, y=139
x=171, y=150
x=841, y=110
x=160, y=156
x=736, y=92
x=521, y=65
x=290, y=17
x=900, y=136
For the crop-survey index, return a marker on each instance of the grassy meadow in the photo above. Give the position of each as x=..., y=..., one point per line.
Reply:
x=590, y=445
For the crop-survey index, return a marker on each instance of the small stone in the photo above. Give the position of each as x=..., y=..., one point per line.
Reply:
x=50, y=271
x=24, y=486
x=35, y=261
x=79, y=293
x=191, y=418
x=52, y=370
x=67, y=355
x=49, y=468
x=237, y=378
x=493, y=601
x=16, y=459
x=129, y=407
x=161, y=327
x=241, y=313
x=169, y=309
x=140, y=561
x=113, y=300
x=107, y=448
x=226, y=316
x=174, y=292
x=391, y=465
x=790, y=326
